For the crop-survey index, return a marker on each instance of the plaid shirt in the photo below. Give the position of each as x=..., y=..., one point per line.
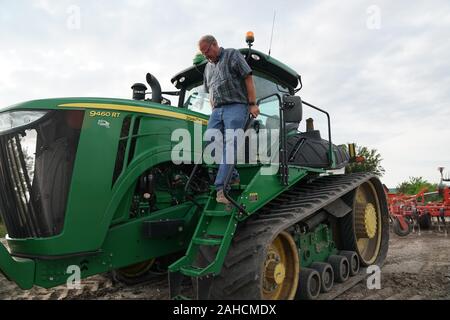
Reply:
x=225, y=80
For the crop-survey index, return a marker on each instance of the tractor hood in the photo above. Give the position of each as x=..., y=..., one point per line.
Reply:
x=44, y=142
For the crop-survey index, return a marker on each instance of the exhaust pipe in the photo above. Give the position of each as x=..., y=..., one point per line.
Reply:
x=309, y=125
x=156, y=88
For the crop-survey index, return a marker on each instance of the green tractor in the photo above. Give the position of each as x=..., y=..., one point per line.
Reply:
x=91, y=182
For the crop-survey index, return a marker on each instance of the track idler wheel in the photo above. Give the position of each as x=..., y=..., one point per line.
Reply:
x=353, y=260
x=366, y=229
x=256, y=268
x=309, y=284
x=341, y=267
x=326, y=275
x=280, y=269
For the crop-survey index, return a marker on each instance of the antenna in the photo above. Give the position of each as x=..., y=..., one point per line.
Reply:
x=273, y=26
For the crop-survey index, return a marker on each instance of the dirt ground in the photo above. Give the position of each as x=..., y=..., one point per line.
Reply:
x=417, y=267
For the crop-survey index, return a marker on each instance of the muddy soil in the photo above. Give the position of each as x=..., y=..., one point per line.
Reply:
x=417, y=267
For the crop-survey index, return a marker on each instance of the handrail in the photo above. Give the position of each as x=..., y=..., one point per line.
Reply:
x=331, y=155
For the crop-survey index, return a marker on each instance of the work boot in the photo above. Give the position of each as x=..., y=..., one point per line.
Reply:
x=221, y=198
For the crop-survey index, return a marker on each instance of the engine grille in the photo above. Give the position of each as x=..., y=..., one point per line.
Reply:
x=36, y=165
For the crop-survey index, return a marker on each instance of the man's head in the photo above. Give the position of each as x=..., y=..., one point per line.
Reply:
x=209, y=47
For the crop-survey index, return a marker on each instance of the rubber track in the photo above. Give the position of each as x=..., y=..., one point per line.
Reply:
x=240, y=277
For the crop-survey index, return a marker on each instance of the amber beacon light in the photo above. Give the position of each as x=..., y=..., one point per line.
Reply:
x=250, y=38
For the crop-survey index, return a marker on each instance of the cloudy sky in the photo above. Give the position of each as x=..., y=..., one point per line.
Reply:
x=381, y=68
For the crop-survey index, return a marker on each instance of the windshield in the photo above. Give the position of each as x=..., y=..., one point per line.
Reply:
x=198, y=100
x=14, y=119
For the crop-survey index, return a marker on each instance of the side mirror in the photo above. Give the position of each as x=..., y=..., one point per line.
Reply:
x=292, y=108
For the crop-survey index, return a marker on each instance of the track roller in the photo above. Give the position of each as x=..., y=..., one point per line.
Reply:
x=326, y=275
x=353, y=260
x=340, y=267
x=309, y=285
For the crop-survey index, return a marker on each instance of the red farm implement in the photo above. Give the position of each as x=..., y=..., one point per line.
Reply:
x=408, y=212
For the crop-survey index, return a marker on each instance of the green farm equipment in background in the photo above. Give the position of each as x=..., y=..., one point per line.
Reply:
x=91, y=182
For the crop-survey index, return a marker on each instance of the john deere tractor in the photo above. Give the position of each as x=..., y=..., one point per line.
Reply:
x=91, y=183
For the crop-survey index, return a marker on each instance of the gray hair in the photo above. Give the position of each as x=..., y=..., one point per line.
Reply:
x=208, y=39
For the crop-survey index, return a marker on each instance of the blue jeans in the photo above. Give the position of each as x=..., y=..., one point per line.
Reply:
x=230, y=116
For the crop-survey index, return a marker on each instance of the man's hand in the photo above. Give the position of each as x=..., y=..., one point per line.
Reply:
x=254, y=110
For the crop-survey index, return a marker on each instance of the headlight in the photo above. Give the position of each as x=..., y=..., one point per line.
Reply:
x=14, y=119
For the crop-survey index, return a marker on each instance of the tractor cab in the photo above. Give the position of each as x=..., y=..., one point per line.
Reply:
x=276, y=88
x=271, y=78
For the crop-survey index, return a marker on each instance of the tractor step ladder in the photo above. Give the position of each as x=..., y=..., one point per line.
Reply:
x=216, y=227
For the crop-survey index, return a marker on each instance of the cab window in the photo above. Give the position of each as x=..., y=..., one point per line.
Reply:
x=198, y=100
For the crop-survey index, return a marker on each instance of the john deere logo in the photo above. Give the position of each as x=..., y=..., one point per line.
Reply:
x=103, y=123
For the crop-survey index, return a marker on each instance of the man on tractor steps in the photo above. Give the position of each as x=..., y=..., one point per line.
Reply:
x=228, y=80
